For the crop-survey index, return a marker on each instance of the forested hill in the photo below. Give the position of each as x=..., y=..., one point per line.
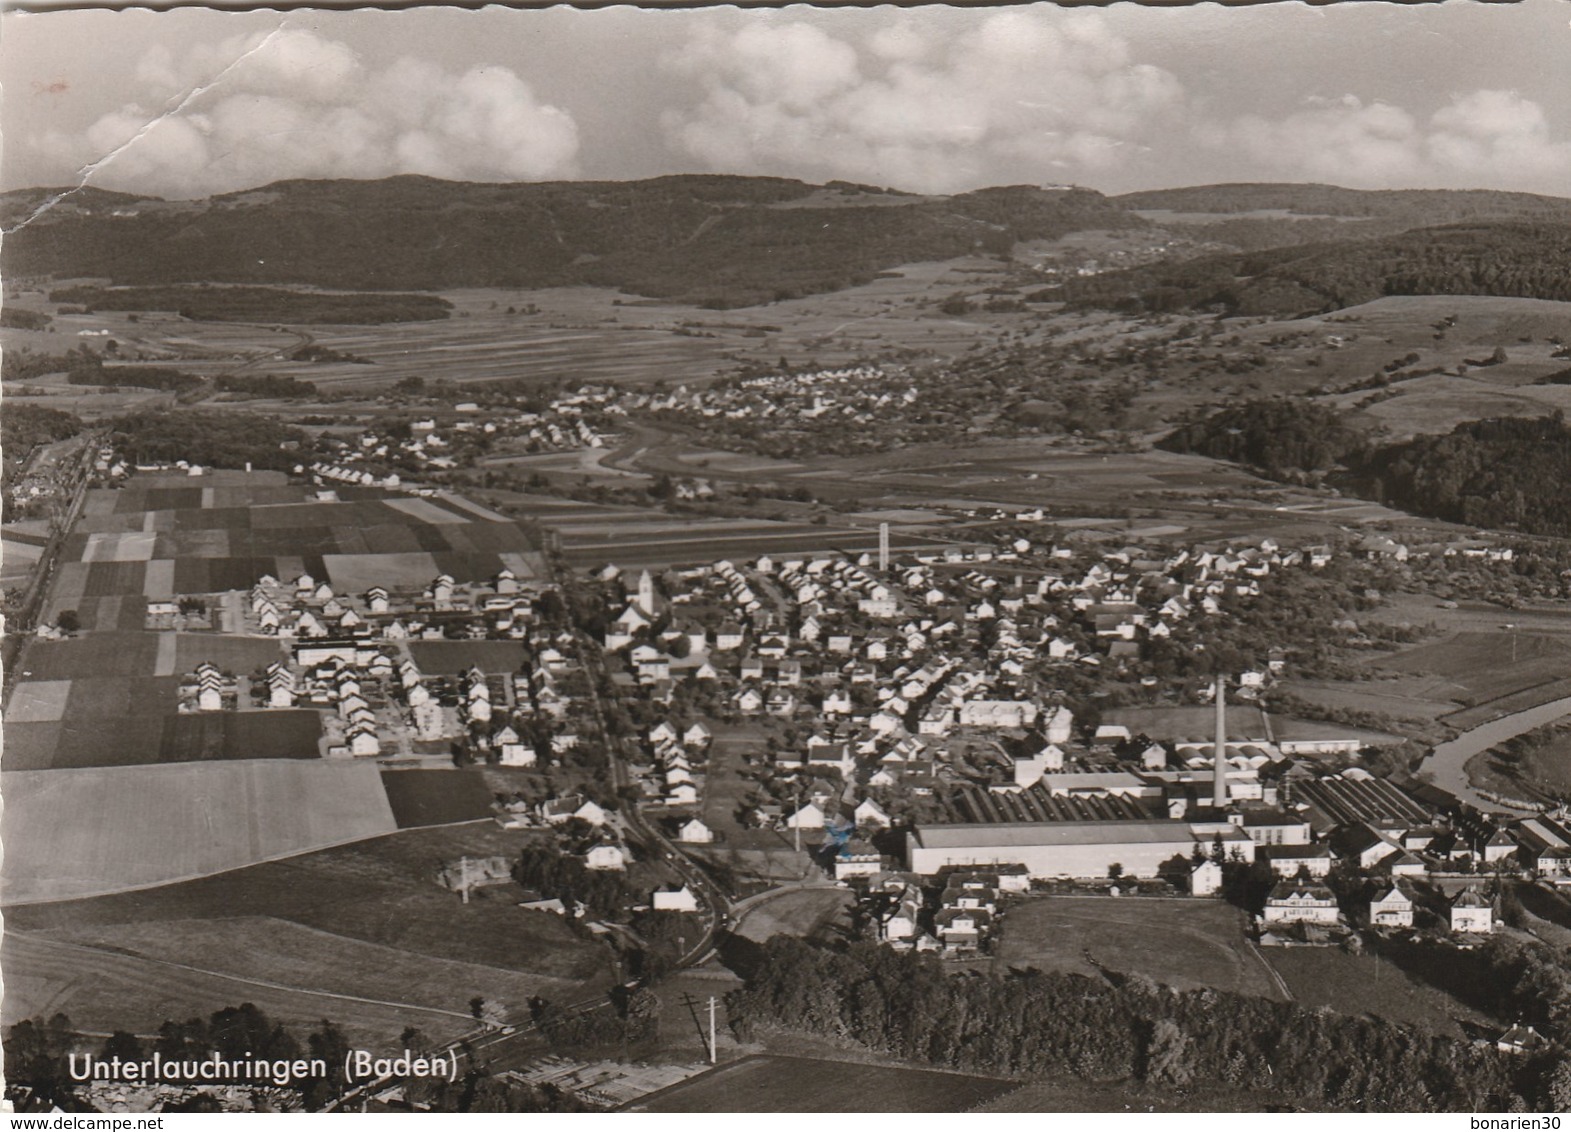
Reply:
x=1415, y=207
x=1511, y=472
x=1276, y=436
x=724, y=241
x=1507, y=473
x=1518, y=258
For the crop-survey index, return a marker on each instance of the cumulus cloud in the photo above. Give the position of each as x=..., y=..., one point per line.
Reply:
x=292, y=104
x=1483, y=138
x=1042, y=93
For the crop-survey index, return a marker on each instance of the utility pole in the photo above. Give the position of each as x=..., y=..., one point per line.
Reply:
x=713, y=1051
x=463, y=878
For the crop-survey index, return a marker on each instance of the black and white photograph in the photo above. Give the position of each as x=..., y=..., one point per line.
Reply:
x=999, y=559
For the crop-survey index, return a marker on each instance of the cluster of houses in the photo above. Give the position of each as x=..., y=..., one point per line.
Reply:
x=674, y=772
x=569, y=422
x=902, y=674
x=855, y=394
x=310, y=609
x=954, y=917
x=208, y=689
x=1302, y=903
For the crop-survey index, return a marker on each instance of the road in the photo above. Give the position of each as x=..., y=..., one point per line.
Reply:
x=27, y=614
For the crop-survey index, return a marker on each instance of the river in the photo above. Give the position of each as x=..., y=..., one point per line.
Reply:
x=1446, y=765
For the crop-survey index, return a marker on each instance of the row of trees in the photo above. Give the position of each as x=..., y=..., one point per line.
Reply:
x=1120, y=1028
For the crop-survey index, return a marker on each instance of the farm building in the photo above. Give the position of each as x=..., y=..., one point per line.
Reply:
x=1051, y=849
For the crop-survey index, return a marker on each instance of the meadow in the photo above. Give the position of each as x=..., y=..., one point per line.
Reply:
x=82, y=832
x=1363, y=984
x=770, y=1083
x=365, y=921
x=1180, y=943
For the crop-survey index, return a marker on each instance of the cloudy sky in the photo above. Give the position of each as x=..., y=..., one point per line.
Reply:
x=191, y=102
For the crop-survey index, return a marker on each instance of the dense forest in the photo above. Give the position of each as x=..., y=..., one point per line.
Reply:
x=23, y=427
x=1514, y=258
x=1504, y=473
x=1509, y=472
x=259, y=304
x=1127, y=1027
x=1277, y=436
x=719, y=241
x=210, y=439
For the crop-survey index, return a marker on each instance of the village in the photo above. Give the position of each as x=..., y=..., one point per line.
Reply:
x=911, y=728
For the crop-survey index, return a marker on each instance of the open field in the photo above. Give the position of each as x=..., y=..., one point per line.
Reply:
x=589, y=333
x=768, y=1083
x=809, y=913
x=1363, y=984
x=381, y=891
x=1182, y=943
x=277, y=951
x=102, y=991
x=439, y=657
x=1486, y=665
x=74, y=833
x=1072, y=1095
x=436, y=797
x=1416, y=697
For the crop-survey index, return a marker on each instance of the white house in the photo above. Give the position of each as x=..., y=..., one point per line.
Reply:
x=808, y=817
x=606, y=857
x=1291, y=902
x=695, y=832
x=677, y=900
x=1471, y=912
x=1392, y=910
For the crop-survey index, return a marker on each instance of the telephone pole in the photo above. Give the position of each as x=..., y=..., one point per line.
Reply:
x=713, y=1053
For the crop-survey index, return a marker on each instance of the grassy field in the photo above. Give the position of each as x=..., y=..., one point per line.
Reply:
x=1182, y=943
x=102, y=991
x=812, y=913
x=768, y=1083
x=1362, y=984
x=365, y=920
x=271, y=950
x=381, y=890
x=1487, y=665
x=1071, y=1095
x=438, y=657
x=1541, y=772
x=436, y=797
x=73, y=833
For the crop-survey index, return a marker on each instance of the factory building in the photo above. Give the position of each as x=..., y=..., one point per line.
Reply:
x=1051, y=849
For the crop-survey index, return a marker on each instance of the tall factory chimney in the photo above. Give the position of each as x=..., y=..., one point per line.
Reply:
x=883, y=546
x=1219, y=767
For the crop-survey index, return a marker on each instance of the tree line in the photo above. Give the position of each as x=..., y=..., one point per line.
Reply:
x=1118, y=1028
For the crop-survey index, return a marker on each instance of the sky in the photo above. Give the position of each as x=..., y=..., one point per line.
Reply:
x=191, y=102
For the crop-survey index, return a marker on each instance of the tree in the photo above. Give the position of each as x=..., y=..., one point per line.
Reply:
x=69, y=621
x=328, y=1043
x=122, y=1044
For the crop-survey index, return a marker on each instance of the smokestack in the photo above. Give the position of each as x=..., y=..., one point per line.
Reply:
x=883, y=546
x=1219, y=769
